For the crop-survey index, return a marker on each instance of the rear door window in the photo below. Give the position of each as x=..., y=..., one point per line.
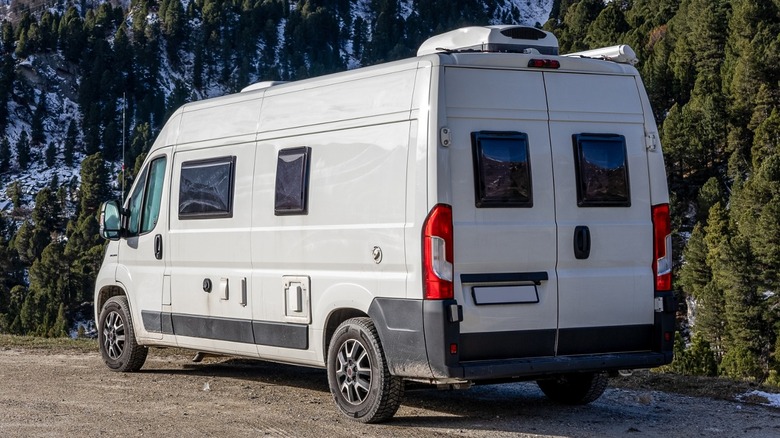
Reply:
x=502, y=171
x=601, y=166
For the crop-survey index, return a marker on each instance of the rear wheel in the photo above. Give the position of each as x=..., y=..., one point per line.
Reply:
x=116, y=336
x=574, y=389
x=359, y=379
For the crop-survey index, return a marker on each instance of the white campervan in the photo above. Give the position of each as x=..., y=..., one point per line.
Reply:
x=486, y=211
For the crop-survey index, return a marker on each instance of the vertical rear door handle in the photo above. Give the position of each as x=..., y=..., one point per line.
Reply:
x=581, y=242
x=158, y=247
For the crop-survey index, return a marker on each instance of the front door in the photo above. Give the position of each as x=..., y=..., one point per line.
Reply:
x=142, y=266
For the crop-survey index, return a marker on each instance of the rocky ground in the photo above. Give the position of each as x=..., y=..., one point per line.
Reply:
x=69, y=392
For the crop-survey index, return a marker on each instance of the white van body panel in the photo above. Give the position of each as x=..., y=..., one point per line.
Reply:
x=500, y=240
x=385, y=145
x=615, y=286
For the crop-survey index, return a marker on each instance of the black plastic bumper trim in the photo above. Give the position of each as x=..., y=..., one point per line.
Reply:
x=519, y=368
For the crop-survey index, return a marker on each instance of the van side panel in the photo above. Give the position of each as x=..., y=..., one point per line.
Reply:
x=350, y=243
x=381, y=94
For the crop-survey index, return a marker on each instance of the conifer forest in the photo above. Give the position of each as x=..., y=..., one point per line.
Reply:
x=79, y=76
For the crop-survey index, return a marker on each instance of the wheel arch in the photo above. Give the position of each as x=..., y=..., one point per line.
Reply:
x=333, y=320
x=106, y=292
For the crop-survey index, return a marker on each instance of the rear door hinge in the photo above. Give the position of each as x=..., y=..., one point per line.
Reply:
x=446, y=139
x=651, y=141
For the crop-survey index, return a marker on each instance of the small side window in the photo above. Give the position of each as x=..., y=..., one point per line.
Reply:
x=154, y=189
x=134, y=203
x=601, y=166
x=292, y=181
x=502, y=169
x=206, y=188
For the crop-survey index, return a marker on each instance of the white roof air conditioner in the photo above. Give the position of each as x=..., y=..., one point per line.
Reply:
x=504, y=38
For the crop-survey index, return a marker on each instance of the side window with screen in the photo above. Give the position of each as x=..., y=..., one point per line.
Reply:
x=206, y=188
x=502, y=169
x=601, y=166
x=292, y=181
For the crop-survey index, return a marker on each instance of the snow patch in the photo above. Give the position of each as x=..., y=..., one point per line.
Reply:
x=772, y=400
x=526, y=12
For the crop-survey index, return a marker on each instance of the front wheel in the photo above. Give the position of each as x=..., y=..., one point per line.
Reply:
x=574, y=389
x=116, y=336
x=359, y=379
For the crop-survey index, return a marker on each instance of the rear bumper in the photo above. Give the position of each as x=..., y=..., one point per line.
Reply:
x=421, y=338
x=540, y=366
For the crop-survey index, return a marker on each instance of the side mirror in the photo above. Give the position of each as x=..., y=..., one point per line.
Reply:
x=110, y=220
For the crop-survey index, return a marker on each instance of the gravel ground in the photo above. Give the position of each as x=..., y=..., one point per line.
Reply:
x=62, y=394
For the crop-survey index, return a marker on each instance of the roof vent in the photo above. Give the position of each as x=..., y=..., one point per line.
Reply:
x=505, y=39
x=622, y=54
x=261, y=85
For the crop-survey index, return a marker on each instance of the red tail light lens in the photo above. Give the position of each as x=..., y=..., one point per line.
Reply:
x=437, y=254
x=544, y=63
x=662, y=247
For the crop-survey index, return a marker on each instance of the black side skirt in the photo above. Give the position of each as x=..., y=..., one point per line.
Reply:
x=245, y=331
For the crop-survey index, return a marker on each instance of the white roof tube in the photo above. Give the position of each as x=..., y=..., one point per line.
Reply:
x=622, y=54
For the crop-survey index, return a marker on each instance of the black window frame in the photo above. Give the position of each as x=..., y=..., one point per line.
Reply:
x=302, y=207
x=582, y=201
x=229, y=160
x=481, y=199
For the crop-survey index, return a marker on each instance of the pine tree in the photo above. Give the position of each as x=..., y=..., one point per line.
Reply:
x=14, y=193
x=5, y=155
x=608, y=28
x=576, y=23
x=46, y=210
x=49, y=292
x=84, y=247
x=23, y=151
x=70, y=143
x=72, y=37
x=37, y=134
x=51, y=154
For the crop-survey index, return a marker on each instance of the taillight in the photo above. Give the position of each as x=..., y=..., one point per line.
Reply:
x=662, y=247
x=544, y=63
x=437, y=254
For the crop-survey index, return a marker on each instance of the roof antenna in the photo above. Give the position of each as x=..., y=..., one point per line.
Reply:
x=124, y=173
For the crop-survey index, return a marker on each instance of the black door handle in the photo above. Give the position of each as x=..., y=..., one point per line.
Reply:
x=158, y=247
x=581, y=242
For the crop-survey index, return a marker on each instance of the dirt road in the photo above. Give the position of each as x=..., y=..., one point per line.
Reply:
x=48, y=394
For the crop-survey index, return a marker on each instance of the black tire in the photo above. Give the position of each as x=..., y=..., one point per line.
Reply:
x=116, y=337
x=359, y=379
x=574, y=389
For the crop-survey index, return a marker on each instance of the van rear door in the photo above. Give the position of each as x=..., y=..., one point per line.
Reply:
x=602, y=205
x=504, y=228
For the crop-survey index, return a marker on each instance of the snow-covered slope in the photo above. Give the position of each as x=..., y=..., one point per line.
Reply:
x=45, y=72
